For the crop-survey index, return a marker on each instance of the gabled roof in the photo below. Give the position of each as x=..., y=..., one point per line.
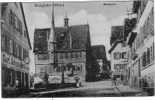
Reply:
x=99, y=52
x=79, y=35
x=116, y=34
x=114, y=45
x=27, y=33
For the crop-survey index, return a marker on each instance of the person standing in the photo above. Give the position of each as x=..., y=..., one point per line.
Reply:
x=17, y=84
x=150, y=88
x=113, y=81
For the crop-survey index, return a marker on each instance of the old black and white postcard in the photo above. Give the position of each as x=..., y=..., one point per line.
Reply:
x=77, y=49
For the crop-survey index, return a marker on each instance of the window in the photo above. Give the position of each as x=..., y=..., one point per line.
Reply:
x=151, y=22
x=20, y=52
x=20, y=27
x=25, y=35
x=11, y=46
x=58, y=55
x=124, y=55
x=17, y=46
x=153, y=52
x=3, y=43
x=117, y=67
x=148, y=56
x=7, y=44
x=14, y=48
x=43, y=57
x=12, y=18
x=65, y=54
x=144, y=59
x=25, y=53
x=80, y=54
x=71, y=54
x=74, y=54
x=15, y=22
x=117, y=55
x=62, y=36
x=61, y=57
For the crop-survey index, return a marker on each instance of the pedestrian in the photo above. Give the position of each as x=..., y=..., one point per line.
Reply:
x=150, y=89
x=145, y=84
x=77, y=80
x=17, y=84
x=114, y=81
x=141, y=81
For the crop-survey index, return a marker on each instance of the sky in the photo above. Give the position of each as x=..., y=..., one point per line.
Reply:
x=100, y=18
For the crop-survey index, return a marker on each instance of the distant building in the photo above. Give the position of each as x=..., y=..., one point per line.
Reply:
x=71, y=50
x=15, y=47
x=99, y=53
x=119, y=60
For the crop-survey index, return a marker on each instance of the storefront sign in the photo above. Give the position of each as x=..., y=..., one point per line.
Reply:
x=11, y=60
x=15, y=62
x=6, y=58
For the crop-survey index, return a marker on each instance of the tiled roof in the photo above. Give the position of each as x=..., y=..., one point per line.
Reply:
x=79, y=36
x=116, y=33
x=99, y=52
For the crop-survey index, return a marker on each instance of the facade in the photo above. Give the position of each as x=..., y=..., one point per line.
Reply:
x=119, y=60
x=99, y=53
x=72, y=47
x=142, y=46
x=69, y=54
x=41, y=53
x=15, y=47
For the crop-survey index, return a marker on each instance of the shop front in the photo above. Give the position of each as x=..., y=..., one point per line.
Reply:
x=14, y=74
